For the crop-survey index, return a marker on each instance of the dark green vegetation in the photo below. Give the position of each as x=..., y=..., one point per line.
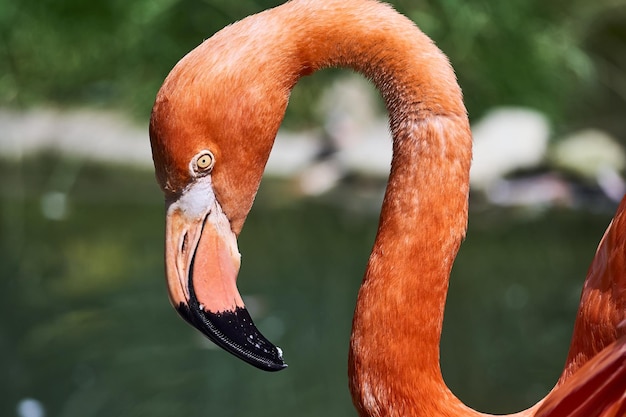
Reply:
x=565, y=58
x=85, y=325
x=86, y=328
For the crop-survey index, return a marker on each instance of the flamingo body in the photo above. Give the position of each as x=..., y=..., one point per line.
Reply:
x=212, y=128
x=603, y=302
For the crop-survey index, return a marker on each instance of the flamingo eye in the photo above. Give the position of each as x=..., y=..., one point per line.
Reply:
x=204, y=162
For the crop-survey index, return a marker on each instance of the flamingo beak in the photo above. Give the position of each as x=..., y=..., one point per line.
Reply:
x=202, y=262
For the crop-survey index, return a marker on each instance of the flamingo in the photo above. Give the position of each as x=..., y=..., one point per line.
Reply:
x=212, y=127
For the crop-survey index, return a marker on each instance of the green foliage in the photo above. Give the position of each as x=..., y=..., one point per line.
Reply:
x=113, y=52
x=517, y=52
x=104, y=52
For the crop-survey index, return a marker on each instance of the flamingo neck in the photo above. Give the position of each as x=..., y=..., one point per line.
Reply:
x=394, y=349
x=394, y=352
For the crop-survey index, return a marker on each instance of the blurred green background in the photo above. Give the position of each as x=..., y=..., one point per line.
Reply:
x=565, y=58
x=85, y=326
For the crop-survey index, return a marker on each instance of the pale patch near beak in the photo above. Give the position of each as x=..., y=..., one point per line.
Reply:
x=202, y=263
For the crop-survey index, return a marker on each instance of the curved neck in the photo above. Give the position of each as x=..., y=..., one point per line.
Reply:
x=394, y=352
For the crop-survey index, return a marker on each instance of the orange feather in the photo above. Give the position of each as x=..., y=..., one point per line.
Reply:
x=228, y=97
x=595, y=390
x=603, y=301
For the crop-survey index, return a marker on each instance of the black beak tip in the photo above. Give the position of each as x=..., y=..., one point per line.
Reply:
x=235, y=332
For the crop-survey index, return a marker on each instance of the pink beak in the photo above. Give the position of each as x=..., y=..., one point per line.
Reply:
x=202, y=263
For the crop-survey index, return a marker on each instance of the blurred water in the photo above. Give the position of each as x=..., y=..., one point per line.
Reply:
x=86, y=328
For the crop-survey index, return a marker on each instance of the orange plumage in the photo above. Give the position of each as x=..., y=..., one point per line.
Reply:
x=226, y=99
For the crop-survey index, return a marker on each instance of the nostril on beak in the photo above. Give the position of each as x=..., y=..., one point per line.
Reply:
x=184, y=244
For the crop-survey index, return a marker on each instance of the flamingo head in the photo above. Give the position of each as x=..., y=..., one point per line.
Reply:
x=211, y=134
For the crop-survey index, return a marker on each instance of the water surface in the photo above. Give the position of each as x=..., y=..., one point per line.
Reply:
x=86, y=328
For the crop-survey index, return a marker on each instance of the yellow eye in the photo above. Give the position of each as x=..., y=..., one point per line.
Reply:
x=205, y=161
